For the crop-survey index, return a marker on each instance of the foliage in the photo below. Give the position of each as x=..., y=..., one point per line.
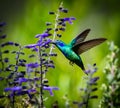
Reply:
x=91, y=87
x=31, y=82
x=112, y=74
x=23, y=77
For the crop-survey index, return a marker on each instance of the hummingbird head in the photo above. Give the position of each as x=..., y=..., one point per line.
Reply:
x=59, y=43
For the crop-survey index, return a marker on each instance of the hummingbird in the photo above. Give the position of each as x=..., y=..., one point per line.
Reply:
x=77, y=46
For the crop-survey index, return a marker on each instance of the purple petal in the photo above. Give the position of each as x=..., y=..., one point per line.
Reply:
x=53, y=54
x=16, y=88
x=72, y=18
x=47, y=42
x=21, y=93
x=38, y=35
x=31, y=91
x=50, y=65
x=9, y=43
x=93, y=80
x=42, y=35
x=3, y=37
x=29, y=70
x=32, y=65
x=36, y=79
x=50, y=89
x=6, y=60
x=39, y=41
x=21, y=80
x=35, y=49
x=69, y=19
x=1, y=78
x=30, y=46
x=2, y=24
x=87, y=71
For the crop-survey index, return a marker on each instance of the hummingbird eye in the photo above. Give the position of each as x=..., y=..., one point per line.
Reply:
x=57, y=41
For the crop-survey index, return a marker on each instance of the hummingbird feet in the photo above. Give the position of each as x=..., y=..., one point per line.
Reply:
x=71, y=63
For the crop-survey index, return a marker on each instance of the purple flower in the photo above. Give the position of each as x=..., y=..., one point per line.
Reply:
x=29, y=92
x=44, y=44
x=63, y=10
x=32, y=65
x=29, y=70
x=3, y=37
x=20, y=74
x=36, y=79
x=42, y=35
x=19, y=92
x=6, y=60
x=53, y=54
x=47, y=42
x=62, y=29
x=13, y=89
x=45, y=54
x=50, y=65
x=7, y=43
x=10, y=75
x=87, y=71
x=40, y=42
x=68, y=19
x=91, y=70
x=21, y=80
x=50, y=89
x=16, y=68
x=22, y=60
x=2, y=24
x=35, y=49
x=1, y=78
x=93, y=80
x=30, y=46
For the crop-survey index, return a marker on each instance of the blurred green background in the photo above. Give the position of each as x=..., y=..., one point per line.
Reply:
x=26, y=18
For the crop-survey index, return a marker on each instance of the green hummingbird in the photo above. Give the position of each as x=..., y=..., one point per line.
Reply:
x=77, y=46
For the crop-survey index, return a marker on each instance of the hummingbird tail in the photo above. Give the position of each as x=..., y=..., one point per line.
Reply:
x=82, y=67
x=80, y=64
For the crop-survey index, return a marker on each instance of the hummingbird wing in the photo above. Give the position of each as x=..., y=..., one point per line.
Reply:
x=81, y=37
x=84, y=46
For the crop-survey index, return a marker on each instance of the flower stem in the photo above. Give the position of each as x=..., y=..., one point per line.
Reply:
x=1, y=58
x=17, y=59
x=87, y=100
x=41, y=78
x=16, y=69
x=55, y=27
x=88, y=91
